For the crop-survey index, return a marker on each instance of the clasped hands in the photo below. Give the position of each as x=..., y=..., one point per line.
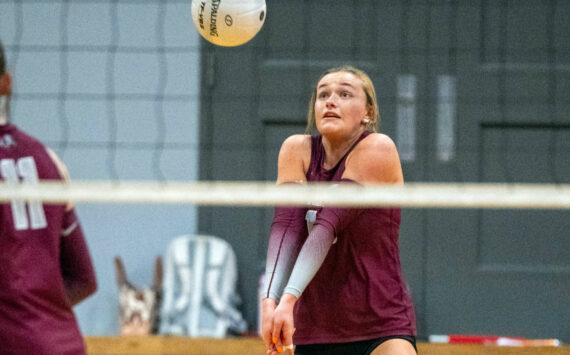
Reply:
x=277, y=325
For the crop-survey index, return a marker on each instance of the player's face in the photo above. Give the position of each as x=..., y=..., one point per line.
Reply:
x=340, y=105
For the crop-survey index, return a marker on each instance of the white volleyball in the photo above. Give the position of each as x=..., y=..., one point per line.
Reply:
x=228, y=23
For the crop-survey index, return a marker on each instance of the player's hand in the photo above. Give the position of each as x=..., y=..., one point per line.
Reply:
x=284, y=325
x=268, y=306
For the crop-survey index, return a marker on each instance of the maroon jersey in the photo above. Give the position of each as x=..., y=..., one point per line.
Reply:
x=36, y=316
x=359, y=292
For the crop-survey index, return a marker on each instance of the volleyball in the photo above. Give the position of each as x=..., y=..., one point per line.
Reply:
x=228, y=23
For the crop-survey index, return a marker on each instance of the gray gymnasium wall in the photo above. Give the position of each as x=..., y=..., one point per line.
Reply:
x=113, y=88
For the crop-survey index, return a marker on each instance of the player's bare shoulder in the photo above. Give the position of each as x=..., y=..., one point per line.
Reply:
x=375, y=159
x=297, y=146
x=294, y=158
x=297, y=143
x=378, y=143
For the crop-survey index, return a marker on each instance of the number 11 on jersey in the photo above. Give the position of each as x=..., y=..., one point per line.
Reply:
x=12, y=171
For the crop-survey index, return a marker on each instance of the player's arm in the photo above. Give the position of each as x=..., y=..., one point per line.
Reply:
x=63, y=172
x=288, y=229
x=76, y=265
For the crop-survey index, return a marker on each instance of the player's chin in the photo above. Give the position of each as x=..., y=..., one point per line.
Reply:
x=329, y=125
x=334, y=131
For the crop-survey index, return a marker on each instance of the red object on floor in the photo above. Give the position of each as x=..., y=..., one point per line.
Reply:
x=491, y=340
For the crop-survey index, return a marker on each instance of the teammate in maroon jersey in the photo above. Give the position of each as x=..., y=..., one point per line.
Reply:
x=45, y=267
x=333, y=281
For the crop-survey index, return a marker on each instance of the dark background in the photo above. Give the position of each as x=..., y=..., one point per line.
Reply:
x=470, y=91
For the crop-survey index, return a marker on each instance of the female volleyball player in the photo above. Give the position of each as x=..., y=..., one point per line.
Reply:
x=45, y=267
x=335, y=285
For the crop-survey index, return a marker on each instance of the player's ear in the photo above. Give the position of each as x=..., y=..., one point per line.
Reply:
x=5, y=84
x=369, y=111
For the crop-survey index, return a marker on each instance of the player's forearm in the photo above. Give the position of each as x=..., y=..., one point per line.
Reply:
x=288, y=231
x=80, y=290
x=76, y=265
x=79, y=277
x=310, y=259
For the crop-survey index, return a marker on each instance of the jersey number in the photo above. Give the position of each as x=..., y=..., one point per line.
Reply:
x=12, y=171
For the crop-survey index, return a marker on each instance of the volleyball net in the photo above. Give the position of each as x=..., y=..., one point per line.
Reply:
x=413, y=195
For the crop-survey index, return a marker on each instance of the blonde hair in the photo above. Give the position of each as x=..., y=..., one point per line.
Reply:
x=368, y=87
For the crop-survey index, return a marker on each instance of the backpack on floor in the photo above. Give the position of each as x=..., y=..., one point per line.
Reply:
x=199, y=288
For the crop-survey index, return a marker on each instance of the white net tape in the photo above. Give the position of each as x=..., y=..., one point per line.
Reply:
x=418, y=195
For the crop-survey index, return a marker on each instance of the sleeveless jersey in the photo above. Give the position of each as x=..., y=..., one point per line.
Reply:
x=35, y=315
x=359, y=292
